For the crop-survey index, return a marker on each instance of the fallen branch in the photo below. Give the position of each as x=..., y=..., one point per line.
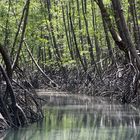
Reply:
x=39, y=68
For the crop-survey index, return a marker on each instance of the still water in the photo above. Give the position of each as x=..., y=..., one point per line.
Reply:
x=92, y=121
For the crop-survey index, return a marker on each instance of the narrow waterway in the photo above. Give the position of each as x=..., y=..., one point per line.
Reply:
x=82, y=118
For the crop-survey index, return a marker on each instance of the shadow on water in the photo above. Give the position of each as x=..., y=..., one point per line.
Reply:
x=90, y=120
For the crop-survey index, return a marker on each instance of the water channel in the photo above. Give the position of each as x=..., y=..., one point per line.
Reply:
x=82, y=118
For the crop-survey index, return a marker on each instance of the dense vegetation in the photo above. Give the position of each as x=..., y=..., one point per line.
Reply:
x=88, y=46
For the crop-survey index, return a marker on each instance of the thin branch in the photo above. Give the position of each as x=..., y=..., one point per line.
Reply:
x=39, y=66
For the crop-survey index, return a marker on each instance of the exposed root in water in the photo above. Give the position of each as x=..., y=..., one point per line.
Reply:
x=19, y=103
x=118, y=82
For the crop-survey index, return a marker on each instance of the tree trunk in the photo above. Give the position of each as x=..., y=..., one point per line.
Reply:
x=118, y=40
x=66, y=32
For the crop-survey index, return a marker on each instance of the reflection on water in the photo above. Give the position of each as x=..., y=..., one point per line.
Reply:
x=83, y=122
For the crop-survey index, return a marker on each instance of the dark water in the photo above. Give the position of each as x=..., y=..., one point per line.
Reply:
x=94, y=121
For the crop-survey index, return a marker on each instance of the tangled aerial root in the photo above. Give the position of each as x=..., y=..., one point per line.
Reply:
x=116, y=82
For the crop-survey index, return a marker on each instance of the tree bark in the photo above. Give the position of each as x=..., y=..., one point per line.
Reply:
x=22, y=35
x=7, y=61
x=117, y=38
